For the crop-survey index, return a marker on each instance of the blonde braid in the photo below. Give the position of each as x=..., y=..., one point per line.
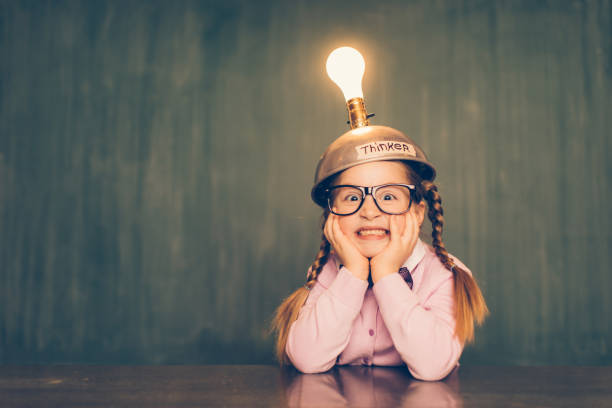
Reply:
x=470, y=305
x=435, y=215
x=287, y=312
x=319, y=262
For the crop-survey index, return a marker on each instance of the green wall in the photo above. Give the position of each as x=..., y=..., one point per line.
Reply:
x=156, y=160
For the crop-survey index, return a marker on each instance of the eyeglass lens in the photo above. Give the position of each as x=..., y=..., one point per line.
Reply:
x=393, y=199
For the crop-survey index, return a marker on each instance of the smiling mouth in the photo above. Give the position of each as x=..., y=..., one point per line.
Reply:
x=371, y=232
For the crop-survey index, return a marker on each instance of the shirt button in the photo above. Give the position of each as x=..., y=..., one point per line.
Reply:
x=371, y=332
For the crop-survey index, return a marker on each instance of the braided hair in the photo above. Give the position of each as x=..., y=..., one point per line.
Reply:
x=470, y=305
x=289, y=309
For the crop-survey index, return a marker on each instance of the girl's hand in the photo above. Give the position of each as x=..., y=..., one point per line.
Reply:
x=402, y=241
x=344, y=248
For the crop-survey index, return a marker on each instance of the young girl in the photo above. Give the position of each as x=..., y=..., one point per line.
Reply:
x=376, y=294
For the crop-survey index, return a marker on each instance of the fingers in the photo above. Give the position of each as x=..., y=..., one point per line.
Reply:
x=335, y=229
x=345, y=249
x=403, y=229
x=339, y=237
x=411, y=231
x=403, y=221
x=397, y=239
x=394, y=228
x=333, y=232
x=328, y=230
x=408, y=225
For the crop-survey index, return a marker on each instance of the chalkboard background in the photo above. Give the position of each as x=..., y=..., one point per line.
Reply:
x=156, y=160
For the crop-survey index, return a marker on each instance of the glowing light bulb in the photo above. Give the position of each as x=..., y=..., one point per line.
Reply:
x=345, y=66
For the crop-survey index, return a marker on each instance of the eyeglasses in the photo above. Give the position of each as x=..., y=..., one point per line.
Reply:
x=391, y=199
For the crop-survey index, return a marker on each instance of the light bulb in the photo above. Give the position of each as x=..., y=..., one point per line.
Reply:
x=345, y=66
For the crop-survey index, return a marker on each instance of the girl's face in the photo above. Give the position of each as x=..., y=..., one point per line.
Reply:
x=368, y=228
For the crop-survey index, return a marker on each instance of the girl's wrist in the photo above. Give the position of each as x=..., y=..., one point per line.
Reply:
x=380, y=271
x=360, y=272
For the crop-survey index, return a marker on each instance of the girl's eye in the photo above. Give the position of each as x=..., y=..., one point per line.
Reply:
x=388, y=197
x=351, y=197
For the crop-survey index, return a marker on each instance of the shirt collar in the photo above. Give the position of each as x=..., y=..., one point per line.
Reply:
x=417, y=255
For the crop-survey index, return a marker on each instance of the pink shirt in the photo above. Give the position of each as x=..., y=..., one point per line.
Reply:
x=345, y=322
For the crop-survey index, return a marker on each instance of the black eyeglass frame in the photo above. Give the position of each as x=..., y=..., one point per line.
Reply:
x=365, y=191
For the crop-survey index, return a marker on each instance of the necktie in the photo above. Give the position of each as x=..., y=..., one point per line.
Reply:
x=405, y=274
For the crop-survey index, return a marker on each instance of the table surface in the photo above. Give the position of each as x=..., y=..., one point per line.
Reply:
x=272, y=386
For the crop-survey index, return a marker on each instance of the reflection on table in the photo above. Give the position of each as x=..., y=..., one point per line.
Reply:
x=359, y=386
x=271, y=386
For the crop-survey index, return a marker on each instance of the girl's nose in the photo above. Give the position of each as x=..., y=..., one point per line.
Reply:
x=368, y=209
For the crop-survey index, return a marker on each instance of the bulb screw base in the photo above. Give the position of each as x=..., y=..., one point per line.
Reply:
x=358, y=117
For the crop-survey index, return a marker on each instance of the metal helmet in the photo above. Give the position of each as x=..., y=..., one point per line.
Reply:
x=363, y=145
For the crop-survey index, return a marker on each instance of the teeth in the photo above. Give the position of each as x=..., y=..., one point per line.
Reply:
x=372, y=232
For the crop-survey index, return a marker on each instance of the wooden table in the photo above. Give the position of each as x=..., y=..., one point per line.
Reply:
x=271, y=386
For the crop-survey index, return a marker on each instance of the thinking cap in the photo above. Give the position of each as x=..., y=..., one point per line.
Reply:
x=363, y=143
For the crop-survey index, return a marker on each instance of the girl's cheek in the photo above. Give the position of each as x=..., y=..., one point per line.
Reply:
x=342, y=223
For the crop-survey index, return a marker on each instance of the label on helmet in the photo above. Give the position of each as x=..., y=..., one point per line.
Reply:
x=376, y=149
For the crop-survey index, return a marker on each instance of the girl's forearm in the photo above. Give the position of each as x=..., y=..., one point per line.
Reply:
x=323, y=328
x=423, y=335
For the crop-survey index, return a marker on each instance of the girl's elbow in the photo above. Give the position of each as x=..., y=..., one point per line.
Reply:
x=430, y=373
x=310, y=365
x=435, y=361
x=433, y=366
x=306, y=368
